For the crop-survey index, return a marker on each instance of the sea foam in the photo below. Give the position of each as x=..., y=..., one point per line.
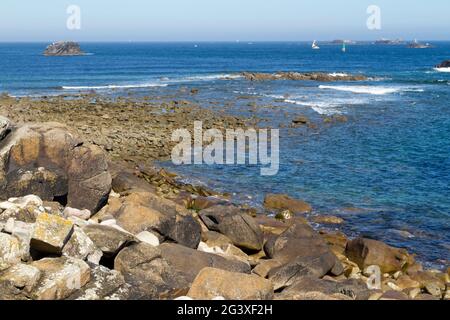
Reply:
x=374, y=90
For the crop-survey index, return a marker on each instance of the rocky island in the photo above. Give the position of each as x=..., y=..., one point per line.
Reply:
x=63, y=48
x=83, y=216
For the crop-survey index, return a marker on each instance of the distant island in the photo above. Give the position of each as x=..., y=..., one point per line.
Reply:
x=64, y=48
x=384, y=41
x=417, y=45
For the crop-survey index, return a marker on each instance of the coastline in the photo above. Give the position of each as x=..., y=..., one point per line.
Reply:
x=134, y=133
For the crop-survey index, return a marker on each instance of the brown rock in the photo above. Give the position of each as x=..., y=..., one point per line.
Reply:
x=211, y=283
x=328, y=220
x=188, y=262
x=284, y=202
x=367, y=252
x=148, y=272
x=51, y=233
x=52, y=163
x=239, y=227
x=60, y=277
x=108, y=239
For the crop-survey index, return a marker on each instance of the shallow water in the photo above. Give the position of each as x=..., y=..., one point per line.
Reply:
x=390, y=160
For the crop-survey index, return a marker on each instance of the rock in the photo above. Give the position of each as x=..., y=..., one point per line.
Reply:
x=351, y=288
x=144, y=211
x=148, y=272
x=328, y=220
x=50, y=162
x=5, y=127
x=429, y=282
x=104, y=284
x=313, y=266
x=51, y=233
x=394, y=295
x=60, y=277
x=22, y=276
x=444, y=64
x=82, y=214
x=239, y=227
x=405, y=282
x=148, y=238
x=367, y=252
x=300, y=120
x=23, y=232
x=284, y=202
x=108, y=239
x=296, y=76
x=263, y=268
x=211, y=283
x=10, y=250
x=425, y=297
x=188, y=262
x=63, y=48
x=301, y=245
x=123, y=181
x=201, y=203
x=79, y=246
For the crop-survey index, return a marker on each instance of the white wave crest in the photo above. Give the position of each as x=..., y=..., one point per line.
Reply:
x=442, y=69
x=113, y=86
x=374, y=90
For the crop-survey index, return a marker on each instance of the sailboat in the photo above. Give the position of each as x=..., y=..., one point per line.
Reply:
x=344, y=49
x=315, y=46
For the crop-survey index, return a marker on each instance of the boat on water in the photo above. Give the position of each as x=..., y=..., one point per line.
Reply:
x=344, y=48
x=315, y=46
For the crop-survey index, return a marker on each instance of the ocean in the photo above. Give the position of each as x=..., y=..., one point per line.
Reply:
x=385, y=171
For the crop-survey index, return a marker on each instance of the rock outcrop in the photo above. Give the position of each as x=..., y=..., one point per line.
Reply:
x=63, y=48
x=49, y=161
x=297, y=76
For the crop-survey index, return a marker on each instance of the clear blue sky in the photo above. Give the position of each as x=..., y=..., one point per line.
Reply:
x=222, y=20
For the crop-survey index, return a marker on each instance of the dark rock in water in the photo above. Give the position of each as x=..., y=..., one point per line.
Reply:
x=297, y=76
x=62, y=48
x=238, y=226
x=284, y=202
x=444, y=64
x=49, y=161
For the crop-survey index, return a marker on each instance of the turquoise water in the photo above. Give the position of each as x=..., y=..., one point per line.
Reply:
x=390, y=159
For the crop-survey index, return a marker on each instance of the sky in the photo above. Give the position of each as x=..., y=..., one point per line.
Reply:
x=222, y=20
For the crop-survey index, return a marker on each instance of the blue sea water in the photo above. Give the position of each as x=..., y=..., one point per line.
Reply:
x=386, y=170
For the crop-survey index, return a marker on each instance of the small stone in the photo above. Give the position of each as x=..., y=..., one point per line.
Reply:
x=51, y=233
x=148, y=237
x=82, y=214
x=328, y=220
x=79, y=246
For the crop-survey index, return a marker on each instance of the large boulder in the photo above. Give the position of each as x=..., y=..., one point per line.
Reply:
x=211, y=283
x=282, y=202
x=302, y=251
x=51, y=233
x=367, y=252
x=48, y=161
x=188, y=262
x=238, y=226
x=145, y=211
x=148, y=273
x=108, y=239
x=347, y=289
x=60, y=278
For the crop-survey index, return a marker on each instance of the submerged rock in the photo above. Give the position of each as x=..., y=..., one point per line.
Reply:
x=63, y=48
x=284, y=202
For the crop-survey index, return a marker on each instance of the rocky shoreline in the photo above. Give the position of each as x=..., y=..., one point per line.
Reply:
x=85, y=215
